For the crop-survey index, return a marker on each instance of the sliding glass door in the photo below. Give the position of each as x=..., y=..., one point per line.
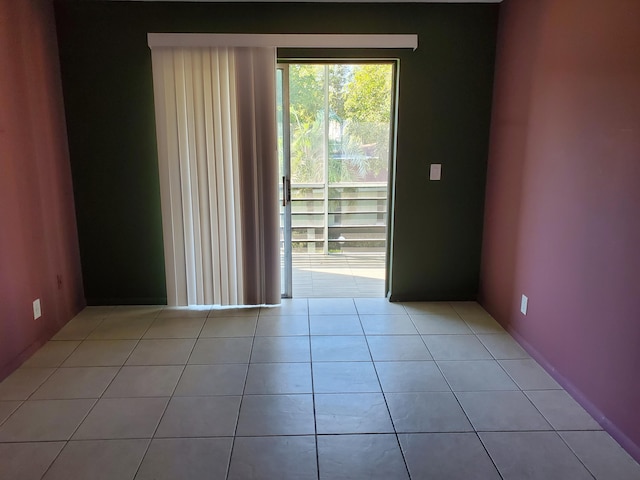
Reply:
x=334, y=137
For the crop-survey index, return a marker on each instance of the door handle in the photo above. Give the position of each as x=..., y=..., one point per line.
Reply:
x=286, y=191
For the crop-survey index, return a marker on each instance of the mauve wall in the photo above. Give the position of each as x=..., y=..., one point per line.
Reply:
x=38, y=239
x=562, y=218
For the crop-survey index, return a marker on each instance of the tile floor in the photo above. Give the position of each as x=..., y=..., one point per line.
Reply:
x=316, y=388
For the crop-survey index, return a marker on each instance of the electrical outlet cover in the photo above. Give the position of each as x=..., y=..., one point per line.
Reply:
x=524, y=303
x=37, y=311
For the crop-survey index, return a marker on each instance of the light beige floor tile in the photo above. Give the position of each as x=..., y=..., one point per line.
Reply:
x=188, y=458
x=502, y=346
x=377, y=306
x=200, y=417
x=96, y=311
x=267, y=458
x=345, y=377
x=23, y=382
x=121, y=328
x=137, y=311
x=170, y=327
x=360, y=456
x=248, y=312
x=208, y=351
x=440, y=325
x=339, y=349
x=162, y=351
x=439, y=309
x=276, y=415
x=145, y=381
x=288, y=306
x=278, y=378
x=184, y=312
x=533, y=456
x=468, y=308
x=7, y=408
x=101, y=353
x=335, y=325
x=122, y=418
x=51, y=354
x=393, y=324
x=501, y=411
x=411, y=376
x=562, y=411
x=27, y=461
x=483, y=324
x=456, y=347
x=476, y=375
x=602, y=455
x=229, y=327
x=450, y=456
x=281, y=349
x=44, y=420
x=397, y=348
x=352, y=413
x=282, y=325
x=76, y=382
x=78, y=328
x=427, y=412
x=332, y=306
x=529, y=375
x=110, y=460
x=200, y=380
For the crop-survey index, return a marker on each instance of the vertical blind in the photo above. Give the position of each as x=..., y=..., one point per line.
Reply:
x=217, y=153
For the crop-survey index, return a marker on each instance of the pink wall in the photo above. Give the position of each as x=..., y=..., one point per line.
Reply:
x=38, y=239
x=562, y=218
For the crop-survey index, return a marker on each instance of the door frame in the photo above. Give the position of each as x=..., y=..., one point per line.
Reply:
x=287, y=270
x=283, y=64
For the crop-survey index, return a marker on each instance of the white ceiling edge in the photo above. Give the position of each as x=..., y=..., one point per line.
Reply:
x=186, y=40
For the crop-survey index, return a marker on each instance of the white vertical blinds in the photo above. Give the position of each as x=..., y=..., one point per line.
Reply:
x=215, y=118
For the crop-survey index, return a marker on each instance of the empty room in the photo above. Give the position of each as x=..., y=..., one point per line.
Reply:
x=319, y=240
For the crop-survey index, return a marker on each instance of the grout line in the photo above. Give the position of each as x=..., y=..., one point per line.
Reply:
x=489, y=455
x=313, y=395
x=164, y=411
x=244, y=388
x=386, y=403
x=96, y=400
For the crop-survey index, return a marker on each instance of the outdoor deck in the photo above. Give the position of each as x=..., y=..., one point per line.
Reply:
x=338, y=275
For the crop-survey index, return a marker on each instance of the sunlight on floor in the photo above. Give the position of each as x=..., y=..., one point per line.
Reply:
x=356, y=275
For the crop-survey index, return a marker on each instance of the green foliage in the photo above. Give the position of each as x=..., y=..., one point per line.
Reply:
x=306, y=91
x=359, y=116
x=369, y=94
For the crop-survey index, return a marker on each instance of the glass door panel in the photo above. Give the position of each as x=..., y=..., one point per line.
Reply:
x=282, y=109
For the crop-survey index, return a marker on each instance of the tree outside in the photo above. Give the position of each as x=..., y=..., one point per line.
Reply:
x=350, y=126
x=340, y=116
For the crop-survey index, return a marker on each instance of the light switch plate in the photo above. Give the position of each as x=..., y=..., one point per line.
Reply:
x=435, y=171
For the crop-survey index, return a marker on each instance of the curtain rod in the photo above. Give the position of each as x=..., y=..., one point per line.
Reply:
x=400, y=41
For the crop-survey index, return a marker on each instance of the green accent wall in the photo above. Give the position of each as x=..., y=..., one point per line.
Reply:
x=444, y=115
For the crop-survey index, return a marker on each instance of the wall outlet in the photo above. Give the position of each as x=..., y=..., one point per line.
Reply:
x=524, y=303
x=37, y=311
